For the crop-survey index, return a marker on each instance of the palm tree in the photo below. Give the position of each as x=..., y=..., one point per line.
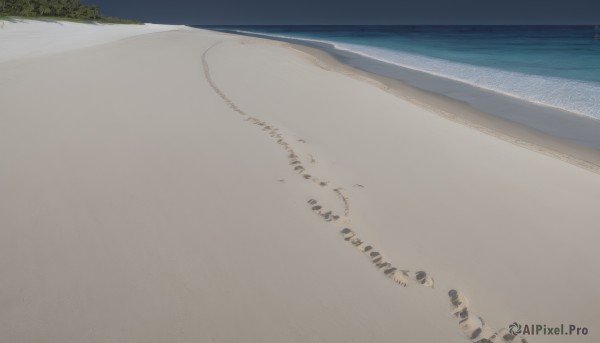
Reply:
x=8, y=6
x=93, y=12
x=70, y=7
x=45, y=7
x=28, y=9
x=87, y=12
x=59, y=8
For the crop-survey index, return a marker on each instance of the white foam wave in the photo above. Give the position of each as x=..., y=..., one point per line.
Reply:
x=579, y=97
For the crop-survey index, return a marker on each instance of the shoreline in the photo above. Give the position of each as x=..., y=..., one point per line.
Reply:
x=519, y=134
x=206, y=187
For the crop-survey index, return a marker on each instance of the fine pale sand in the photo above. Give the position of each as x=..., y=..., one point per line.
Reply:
x=176, y=187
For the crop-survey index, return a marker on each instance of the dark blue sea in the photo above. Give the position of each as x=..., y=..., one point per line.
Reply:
x=555, y=66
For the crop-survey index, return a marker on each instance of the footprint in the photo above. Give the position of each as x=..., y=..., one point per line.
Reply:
x=356, y=241
x=424, y=279
x=398, y=276
x=472, y=326
x=366, y=249
x=375, y=257
x=504, y=336
x=383, y=264
x=462, y=315
x=347, y=234
x=458, y=301
x=389, y=271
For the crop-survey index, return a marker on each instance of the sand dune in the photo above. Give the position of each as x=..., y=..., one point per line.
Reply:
x=193, y=186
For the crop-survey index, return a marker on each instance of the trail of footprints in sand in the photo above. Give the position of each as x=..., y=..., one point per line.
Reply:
x=472, y=326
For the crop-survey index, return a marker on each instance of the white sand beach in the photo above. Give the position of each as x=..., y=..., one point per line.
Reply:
x=23, y=38
x=150, y=192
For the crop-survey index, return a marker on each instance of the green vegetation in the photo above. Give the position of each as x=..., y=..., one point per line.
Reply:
x=72, y=10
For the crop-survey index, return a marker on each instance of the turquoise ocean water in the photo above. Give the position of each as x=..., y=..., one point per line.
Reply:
x=556, y=66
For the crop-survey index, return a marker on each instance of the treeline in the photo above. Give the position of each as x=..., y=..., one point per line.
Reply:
x=73, y=9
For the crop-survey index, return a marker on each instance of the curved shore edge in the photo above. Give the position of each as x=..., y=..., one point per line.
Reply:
x=453, y=76
x=195, y=186
x=470, y=323
x=568, y=136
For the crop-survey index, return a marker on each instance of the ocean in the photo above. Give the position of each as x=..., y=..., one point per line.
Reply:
x=556, y=68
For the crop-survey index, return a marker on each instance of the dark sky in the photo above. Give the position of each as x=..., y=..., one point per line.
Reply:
x=221, y=12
